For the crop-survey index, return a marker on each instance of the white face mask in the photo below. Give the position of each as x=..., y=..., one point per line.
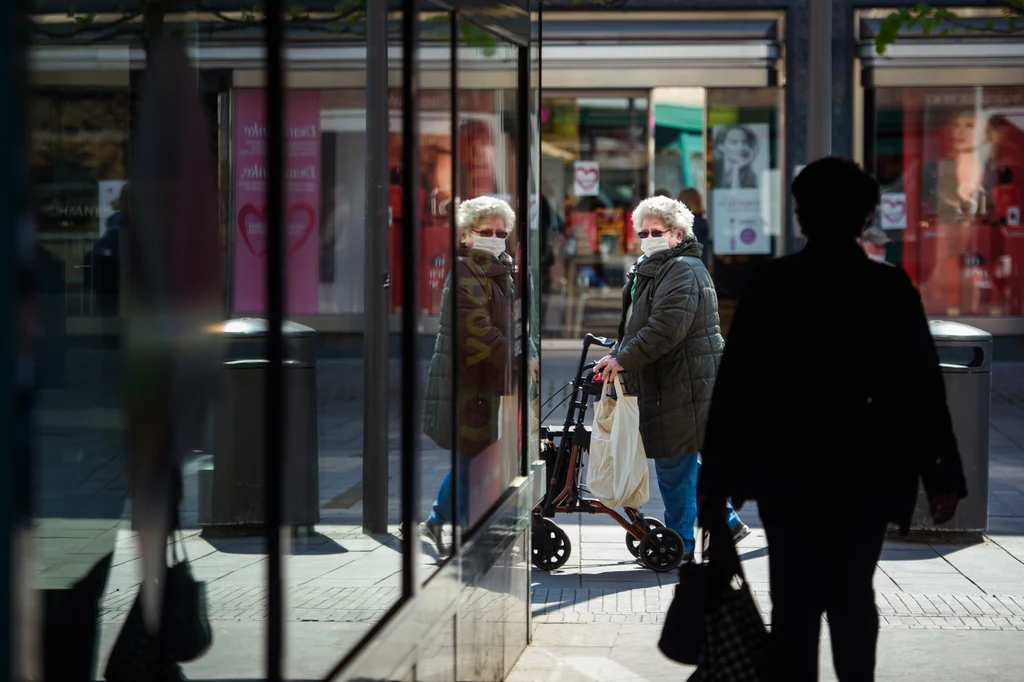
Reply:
x=492, y=245
x=653, y=245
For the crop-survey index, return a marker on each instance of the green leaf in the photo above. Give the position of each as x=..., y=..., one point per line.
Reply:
x=889, y=30
x=83, y=20
x=478, y=38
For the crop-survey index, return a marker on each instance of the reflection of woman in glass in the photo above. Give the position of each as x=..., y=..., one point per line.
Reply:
x=735, y=151
x=1002, y=138
x=954, y=184
x=483, y=302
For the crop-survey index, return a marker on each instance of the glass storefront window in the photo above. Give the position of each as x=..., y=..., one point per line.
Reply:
x=161, y=392
x=744, y=195
x=950, y=161
x=715, y=149
x=594, y=169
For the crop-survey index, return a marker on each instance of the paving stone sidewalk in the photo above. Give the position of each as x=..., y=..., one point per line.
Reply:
x=947, y=612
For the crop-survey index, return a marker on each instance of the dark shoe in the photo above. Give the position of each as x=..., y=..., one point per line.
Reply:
x=739, y=532
x=687, y=558
x=435, y=534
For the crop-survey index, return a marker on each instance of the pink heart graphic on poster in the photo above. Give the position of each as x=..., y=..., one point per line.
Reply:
x=252, y=226
x=894, y=210
x=587, y=178
x=301, y=223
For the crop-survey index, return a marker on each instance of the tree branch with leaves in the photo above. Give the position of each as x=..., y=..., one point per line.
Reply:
x=942, y=21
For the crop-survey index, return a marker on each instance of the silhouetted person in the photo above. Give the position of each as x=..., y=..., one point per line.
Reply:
x=828, y=409
x=103, y=262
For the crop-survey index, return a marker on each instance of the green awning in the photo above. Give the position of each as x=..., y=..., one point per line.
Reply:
x=690, y=119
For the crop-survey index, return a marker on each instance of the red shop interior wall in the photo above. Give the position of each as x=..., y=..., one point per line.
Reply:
x=962, y=154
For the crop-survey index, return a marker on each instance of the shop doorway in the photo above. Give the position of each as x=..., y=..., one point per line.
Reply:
x=716, y=149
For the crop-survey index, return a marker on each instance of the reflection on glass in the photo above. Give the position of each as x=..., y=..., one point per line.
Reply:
x=466, y=406
x=439, y=301
x=151, y=220
x=949, y=161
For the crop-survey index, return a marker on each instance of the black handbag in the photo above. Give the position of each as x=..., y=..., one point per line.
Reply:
x=185, y=633
x=682, y=636
x=185, y=623
x=735, y=641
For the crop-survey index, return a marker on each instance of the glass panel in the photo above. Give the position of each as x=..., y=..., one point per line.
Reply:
x=438, y=301
x=744, y=187
x=950, y=163
x=137, y=413
x=595, y=163
x=485, y=357
x=137, y=284
x=344, y=568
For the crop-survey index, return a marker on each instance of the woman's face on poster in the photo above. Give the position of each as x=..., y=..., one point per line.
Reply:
x=964, y=139
x=736, y=148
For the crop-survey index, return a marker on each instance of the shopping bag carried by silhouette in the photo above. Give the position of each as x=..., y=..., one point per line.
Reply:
x=617, y=473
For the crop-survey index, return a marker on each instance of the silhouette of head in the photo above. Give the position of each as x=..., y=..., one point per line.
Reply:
x=834, y=199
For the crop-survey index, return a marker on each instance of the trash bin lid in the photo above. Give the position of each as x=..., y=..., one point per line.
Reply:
x=257, y=326
x=944, y=330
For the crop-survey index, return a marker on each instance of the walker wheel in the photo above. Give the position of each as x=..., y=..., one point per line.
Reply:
x=661, y=550
x=550, y=545
x=632, y=544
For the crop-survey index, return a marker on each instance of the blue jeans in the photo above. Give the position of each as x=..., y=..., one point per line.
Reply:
x=677, y=480
x=441, y=512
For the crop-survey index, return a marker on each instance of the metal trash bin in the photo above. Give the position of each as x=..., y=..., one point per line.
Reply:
x=965, y=355
x=232, y=489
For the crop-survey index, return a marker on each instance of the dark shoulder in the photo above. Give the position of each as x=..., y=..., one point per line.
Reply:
x=682, y=267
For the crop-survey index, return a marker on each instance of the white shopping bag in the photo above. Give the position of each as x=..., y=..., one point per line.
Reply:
x=617, y=473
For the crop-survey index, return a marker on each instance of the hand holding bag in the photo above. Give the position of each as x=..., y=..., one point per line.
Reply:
x=184, y=625
x=617, y=473
x=735, y=647
x=185, y=634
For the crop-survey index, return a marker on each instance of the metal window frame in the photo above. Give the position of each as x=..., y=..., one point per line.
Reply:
x=276, y=297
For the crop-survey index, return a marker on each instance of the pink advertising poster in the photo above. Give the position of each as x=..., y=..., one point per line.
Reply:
x=302, y=201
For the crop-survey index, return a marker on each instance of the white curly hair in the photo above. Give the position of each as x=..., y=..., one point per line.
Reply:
x=472, y=212
x=674, y=215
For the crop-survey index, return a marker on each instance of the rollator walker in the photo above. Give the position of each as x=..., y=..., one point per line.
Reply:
x=563, y=449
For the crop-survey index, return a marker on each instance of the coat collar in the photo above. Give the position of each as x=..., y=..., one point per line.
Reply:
x=483, y=263
x=648, y=266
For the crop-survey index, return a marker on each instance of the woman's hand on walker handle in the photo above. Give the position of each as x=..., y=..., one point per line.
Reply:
x=607, y=368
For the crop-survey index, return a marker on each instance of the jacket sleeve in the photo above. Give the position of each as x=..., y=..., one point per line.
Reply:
x=938, y=454
x=733, y=401
x=673, y=308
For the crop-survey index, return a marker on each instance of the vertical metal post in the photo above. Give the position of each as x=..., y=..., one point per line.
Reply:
x=411, y=400
x=457, y=512
x=376, y=333
x=819, y=125
x=525, y=283
x=19, y=652
x=275, y=102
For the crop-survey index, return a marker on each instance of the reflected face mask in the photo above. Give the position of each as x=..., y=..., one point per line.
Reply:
x=492, y=245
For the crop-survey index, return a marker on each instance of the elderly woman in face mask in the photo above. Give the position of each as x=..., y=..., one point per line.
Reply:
x=480, y=292
x=668, y=352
